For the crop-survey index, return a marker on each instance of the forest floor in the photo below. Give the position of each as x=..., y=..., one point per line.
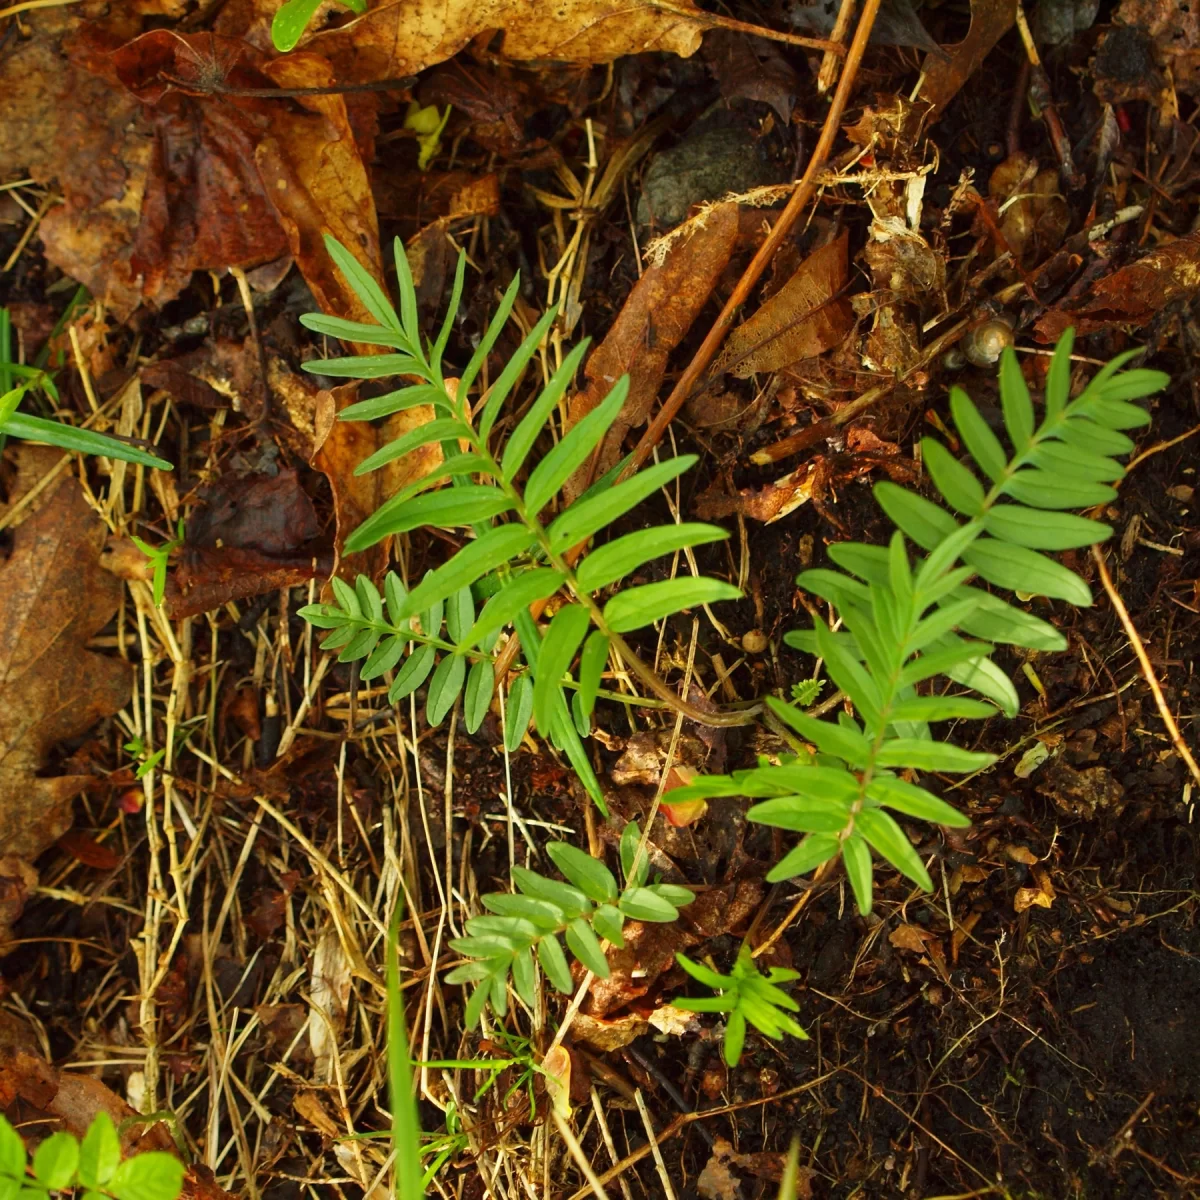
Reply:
x=203, y=852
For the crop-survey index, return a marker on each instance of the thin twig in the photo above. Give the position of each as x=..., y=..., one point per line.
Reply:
x=1144, y=660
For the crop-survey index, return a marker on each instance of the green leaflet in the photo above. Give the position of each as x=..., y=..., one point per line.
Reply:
x=748, y=996
x=448, y=507
x=518, y=712
x=478, y=696
x=640, y=606
x=575, y=448
x=1040, y=530
x=592, y=662
x=596, y=511
x=562, y=640
x=609, y=563
x=498, y=546
x=1019, y=569
x=526, y=433
x=502, y=609
x=960, y=488
x=977, y=434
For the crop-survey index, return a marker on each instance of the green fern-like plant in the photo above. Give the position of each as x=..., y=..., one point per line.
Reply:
x=587, y=908
x=748, y=996
x=501, y=496
x=905, y=620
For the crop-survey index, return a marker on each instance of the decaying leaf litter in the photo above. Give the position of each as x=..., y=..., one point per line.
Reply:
x=207, y=936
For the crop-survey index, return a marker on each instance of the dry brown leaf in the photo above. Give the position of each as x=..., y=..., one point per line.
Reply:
x=655, y=319
x=60, y=123
x=943, y=78
x=716, y=1181
x=406, y=36
x=312, y=170
x=55, y=596
x=341, y=446
x=1132, y=295
x=911, y=937
x=804, y=318
x=1030, y=897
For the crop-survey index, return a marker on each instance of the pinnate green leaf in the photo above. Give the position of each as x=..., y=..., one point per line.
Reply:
x=562, y=640
x=617, y=559
x=55, y=1161
x=588, y=874
x=640, y=606
x=445, y=687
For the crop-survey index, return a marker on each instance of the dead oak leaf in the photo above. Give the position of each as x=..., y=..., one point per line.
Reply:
x=406, y=36
x=55, y=596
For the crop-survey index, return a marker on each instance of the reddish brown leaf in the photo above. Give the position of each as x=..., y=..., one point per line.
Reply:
x=656, y=317
x=400, y=37
x=85, y=849
x=944, y=78
x=1132, y=295
x=804, y=318
x=55, y=596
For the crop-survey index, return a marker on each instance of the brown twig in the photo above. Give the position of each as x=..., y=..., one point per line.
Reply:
x=1144, y=661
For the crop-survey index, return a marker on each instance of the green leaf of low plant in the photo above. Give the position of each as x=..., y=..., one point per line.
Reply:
x=637, y=607
x=857, y=858
x=592, y=661
x=889, y=840
x=521, y=440
x=554, y=963
x=641, y=904
x=574, y=450
x=977, y=434
x=614, y=561
x=1046, y=489
x=518, y=712
x=961, y=490
x=289, y=23
x=595, y=511
x=562, y=640
x=12, y=1151
x=829, y=738
x=1015, y=401
x=583, y=944
x=56, y=1160
x=570, y=899
x=478, y=697
x=1019, y=569
x=516, y=596
x=99, y=1152
x=445, y=687
x=448, y=507
x=931, y=756
x=433, y=431
x=81, y=441
x=414, y=673
x=588, y=874
x=815, y=849
x=1041, y=530
x=149, y=1176
x=922, y=520
x=363, y=283
x=914, y=801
